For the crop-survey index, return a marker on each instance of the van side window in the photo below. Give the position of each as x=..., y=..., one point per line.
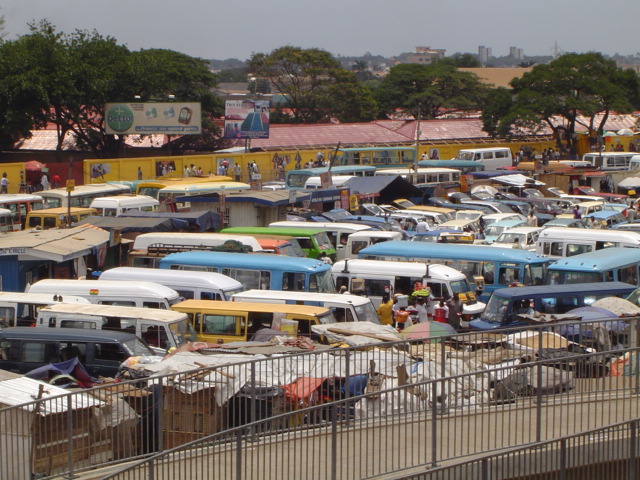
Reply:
x=555, y=249
x=628, y=274
x=188, y=295
x=342, y=281
x=501, y=154
x=120, y=303
x=438, y=290
x=7, y=314
x=155, y=336
x=577, y=249
x=40, y=352
x=222, y=324
x=376, y=287
x=292, y=281
x=154, y=305
x=72, y=324
x=109, y=351
x=49, y=222
x=601, y=245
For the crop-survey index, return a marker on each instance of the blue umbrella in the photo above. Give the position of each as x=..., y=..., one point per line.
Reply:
x=591, y=314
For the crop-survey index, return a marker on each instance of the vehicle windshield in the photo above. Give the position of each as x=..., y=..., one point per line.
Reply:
x=460, y=286
x=509, y=237
x=322, y=282
x=137, y=348
x=297, y=180
x=183, y=332
x=464, y=156
x=322, y=239
x=367, y=313
x=496, y=309
x=327, y=318
x=494, y=229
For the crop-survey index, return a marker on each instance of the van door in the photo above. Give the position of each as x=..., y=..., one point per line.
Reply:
x=104, y=358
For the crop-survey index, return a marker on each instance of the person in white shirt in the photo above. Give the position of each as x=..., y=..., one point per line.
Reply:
x=421, y=308
x=422, y=227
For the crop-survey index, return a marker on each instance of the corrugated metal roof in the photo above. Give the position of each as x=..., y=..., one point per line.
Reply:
x=56, y=244
x=21, y=391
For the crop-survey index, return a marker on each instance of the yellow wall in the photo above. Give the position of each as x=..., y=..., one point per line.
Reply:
x=13, y=175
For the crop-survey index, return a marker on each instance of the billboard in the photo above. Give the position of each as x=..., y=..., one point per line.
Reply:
x=171, y=118
x=246, y=119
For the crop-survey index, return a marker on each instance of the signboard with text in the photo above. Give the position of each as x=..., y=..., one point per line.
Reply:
x=171, y=118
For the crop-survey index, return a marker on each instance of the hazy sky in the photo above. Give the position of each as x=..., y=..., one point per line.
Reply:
x=236, y=29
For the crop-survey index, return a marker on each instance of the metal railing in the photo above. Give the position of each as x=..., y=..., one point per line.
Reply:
x=335, y=414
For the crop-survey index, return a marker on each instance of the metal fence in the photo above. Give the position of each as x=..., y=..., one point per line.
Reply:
x=335, y=414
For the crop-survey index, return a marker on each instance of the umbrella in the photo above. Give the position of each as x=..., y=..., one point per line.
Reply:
x=34, y=166
x=625, y=132
x=609, y=134
x=591, y=314
x=429, y=329
x=629, y=182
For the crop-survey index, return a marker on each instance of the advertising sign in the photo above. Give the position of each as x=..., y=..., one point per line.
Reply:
x=175, y=118
x=246, y=119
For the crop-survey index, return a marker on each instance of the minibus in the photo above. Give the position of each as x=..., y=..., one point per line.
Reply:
x=506, y=304
x=489, y=268
x=161, y=329
x=57, y=217
x=491, y=158
x=223, y=322
x=612, y=264
x=81, y=195
x=20, y=309
x=7, y=223
x=312, y=239
x=257, y=270
x=111, y=292
x=314, y=183
x=20, y=204
x=101, y=353
x=359, y=240
x=152, y=187
x=149, y=248
x=565, y=242
x=189, y=285
x=336, y=231
x=117, y=205
x=426, y=177
x=374, y=278
x=298, y=178
x=345, y=308
x=610, y=160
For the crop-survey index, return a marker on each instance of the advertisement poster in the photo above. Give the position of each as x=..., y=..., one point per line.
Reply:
x=246, y=119
x=171, y=118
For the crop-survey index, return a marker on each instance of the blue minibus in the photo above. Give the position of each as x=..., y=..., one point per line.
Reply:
x=256, y=270
x=489, y=268
x=507, y=304
x=298, y=178
x=617, y=264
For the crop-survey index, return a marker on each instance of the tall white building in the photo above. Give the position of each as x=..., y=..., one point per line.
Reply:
x=516, y=53
x=484, y=54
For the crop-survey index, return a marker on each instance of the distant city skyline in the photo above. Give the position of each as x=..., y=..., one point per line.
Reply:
x=217, y=30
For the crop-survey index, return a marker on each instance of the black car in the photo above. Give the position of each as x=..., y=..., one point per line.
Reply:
x=101, y=352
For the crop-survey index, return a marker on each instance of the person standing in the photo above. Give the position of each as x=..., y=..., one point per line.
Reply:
x=455, y=311
x=237, y=170
x=44, y=182
x=422, y=227
x=56, y=180
x=421, y=308
x=532, y=220
x=576, y=212
x=385, y=310
x=441, y=312
x=139, y=173
x=4, y=183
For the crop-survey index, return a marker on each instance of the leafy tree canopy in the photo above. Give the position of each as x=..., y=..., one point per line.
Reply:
x=571, y=86
x=429, y=90
x=314, y=86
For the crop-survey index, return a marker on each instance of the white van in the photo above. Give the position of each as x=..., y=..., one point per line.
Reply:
x=359, y=240
x=566, y=242
x=162, y=330
x=189, y=285
x=374, y=278
x=111, y=292
x=345, y=308
x=491, y=158
x=6, y=221
x=338, y=232
x=611, y=160
x=19, y=309
x=313, y=183
x=150, y=248
x=117, y=205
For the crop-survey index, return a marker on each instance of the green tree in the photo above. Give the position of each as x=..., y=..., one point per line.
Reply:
x=314, y=86
x=572, y=87
x=462, y=60
x=429, y=90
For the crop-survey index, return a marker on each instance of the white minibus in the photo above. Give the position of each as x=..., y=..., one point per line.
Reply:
x=111, y=292
x=374, y=278
x=161, y=329
x=566, y=242
x=359, y=240
x=117, y=205
x=19, y=309
x=345, y=308
x=491, y=158
x=150, y=248
x=189, y=285
x=610, y=160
